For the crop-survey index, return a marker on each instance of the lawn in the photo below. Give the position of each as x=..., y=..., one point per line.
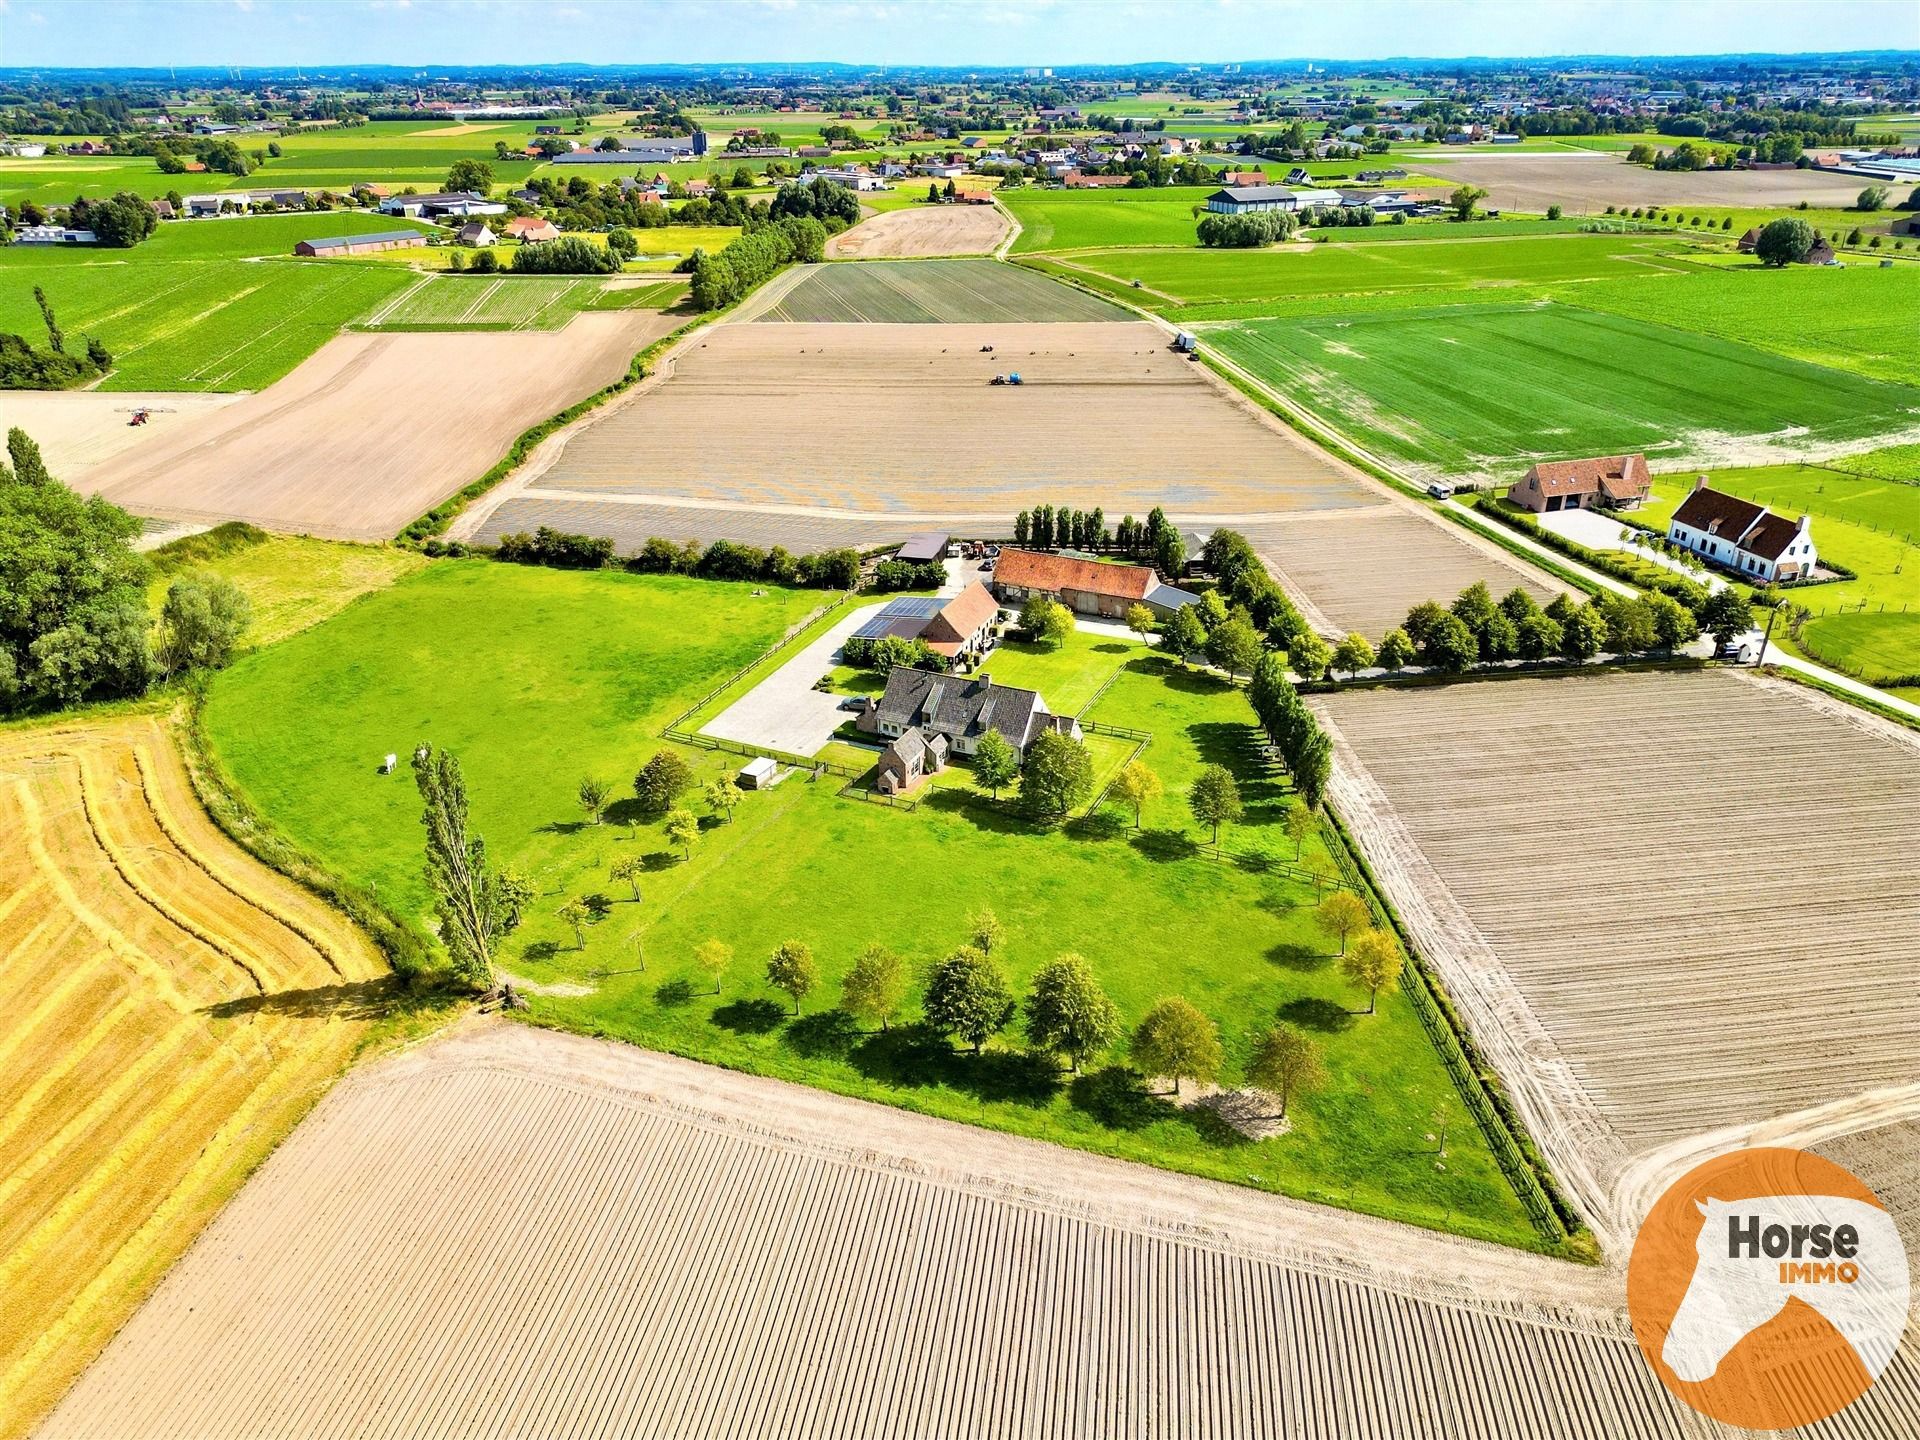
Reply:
x=1078, y=219
x=1199, y=277
x=537, y=677
x=1068, y=675
x=1477, y=389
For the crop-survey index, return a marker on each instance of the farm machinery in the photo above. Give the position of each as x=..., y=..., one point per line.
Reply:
x=1012, y=377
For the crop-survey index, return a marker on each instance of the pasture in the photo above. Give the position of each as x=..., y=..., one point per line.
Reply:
x=1487, y=390
x=926, y=292
x=1630, y=945
x=175, y=1007
x=1080, y=219
x=589, y=685
x=1148, y=426
x=1174, y=278
x=696, y=1243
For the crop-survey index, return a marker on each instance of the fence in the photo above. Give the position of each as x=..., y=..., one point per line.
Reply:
x=798, y=629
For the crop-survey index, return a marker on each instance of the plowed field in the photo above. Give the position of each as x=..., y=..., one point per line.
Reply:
x=922, y=230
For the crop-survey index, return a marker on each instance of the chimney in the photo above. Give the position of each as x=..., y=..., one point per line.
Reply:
x=1801, y=528
x=1699, y=482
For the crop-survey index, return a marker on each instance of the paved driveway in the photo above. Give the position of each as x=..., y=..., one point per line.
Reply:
x=784, y=711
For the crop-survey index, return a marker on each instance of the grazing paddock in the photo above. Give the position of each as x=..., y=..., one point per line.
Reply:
x=374, y=430
x=1550, y=380
x=1588, y=183
x=1666, y=903
x=916, y=427
x=922, y=230
x=935, y=292
x=173, y=1008
x=1364, y=569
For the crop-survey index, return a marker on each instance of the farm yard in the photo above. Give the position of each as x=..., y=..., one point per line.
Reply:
x=175, y=1007
x=922, y=231
x=868, y=1270
x=361, y=438
x=1552, y=380
x=1583, y=859
x=1149, y=427
x=933, y=292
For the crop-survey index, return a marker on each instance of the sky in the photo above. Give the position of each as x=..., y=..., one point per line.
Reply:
x=920, y=32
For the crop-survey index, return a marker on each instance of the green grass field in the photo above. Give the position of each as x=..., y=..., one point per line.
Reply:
x=1079, y=219
x=1490, y=389
x=1177, y=278
x=925, y=292
x=575, y=676
x=293, y=581
x=488, y=302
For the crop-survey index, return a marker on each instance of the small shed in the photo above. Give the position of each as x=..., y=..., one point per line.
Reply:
x=757, y=773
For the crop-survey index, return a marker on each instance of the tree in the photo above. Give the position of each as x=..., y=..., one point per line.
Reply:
x=1464, y=199
x=1214, y=798
x=1068, y=1014
x=1046, y=621
x=1312, y=766
x=1725, y=615
x=722, y=795
x=1234, y=647
x=1182, y=633
x=715, y=957
x=875, y=986
x=1396, y=650
x=985, y=932
x=201, y=623
x=1340, y=914
x=1141, y=621
x=621, y=242
x=1136, y=787
x=1786, y=241
x=995, y=761
x=791, y=968
x=968, y=997
x=1583, y=633
x=594, y=795
x=683, y=829
x=1283, y=1063
x=1372, y=962
x=1309, y=656
x=468, y=898
x=1553, y=212
x=576, y=914
x=1450, y=645
x=23, y=455
x=55, y=338
x=1353, y=655
x=516, y=891
x=1058, y=774
x=1874, y=197
x=1300, y=824
x=1421, y=620
x=661, y=781
x=629, y=868
x=1177, y=1041
x=1537, y=636
x=473, y=175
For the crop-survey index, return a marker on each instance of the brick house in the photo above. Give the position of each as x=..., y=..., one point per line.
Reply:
x=1613, y=482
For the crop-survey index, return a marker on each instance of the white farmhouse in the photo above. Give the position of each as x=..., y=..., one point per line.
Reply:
x=1742, y=536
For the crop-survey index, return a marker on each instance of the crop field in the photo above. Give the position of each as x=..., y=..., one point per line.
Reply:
x=1198, y=277
x=1079, y=219
x=479, y=302
x=1149, y=427
x=1551, y=380
x=365, y=436
x=1363, y=569
x=174, y=1008
x=926, y=292
x=1858, y=318
x=925, y=230
x=869, y=1273
x=1643, y=957
x=1587, y=182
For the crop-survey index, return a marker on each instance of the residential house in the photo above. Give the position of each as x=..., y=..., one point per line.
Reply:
x=961, y=709
x=1742, y=536
x=1080, y=180
x=1233, y=178
x=163, y=209
x=1821, y=254
x=908, y=760
x=475, y=232
x=1091, y=587
x=959, y=627
x=973, y=197
x=530, y=229
x=1613, y=482
x=361, y=244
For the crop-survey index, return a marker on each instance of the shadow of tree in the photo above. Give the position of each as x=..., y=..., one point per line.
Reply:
x=1295, y=956
x=1118, y=1098
x=1314, y=1013
x=1111, y=647
x=655, y=860
x=563, y=827
x=540, y=950
x=916, y=1055
x=628, y=812
x=1165, y=845
x=349, y=1000
x=674, y=993
x=1004, y=818
x=829, y=1033
x=750, y=1017
x=1103, y=825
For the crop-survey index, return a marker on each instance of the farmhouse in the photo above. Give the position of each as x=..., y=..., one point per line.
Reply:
x=475, y=232
x=530, y=229
x=1091, y=587
x=1242, y=199
x=1614, y=482
x=457, y=202
x=1743, y=536
x=908, y=760
x=958, y=628
x=1080, y=180
x=361, y=244
x=960, y=710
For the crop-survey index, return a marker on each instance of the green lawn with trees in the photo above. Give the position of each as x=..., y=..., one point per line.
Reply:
x=577, y=674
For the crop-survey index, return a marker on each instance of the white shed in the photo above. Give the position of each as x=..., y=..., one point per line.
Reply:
x=757, y=773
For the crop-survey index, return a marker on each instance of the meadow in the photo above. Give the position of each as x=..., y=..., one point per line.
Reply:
x=1475, y=390
x=577, y=674
x=1079, y=219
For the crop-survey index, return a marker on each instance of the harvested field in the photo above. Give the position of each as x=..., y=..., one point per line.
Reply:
x=630, y=521
x=922, y=230
x=1667, y=904
x=373, y=430
x=927, y=292
x=1363, y=569
x=1888, y=1159
x=701, y=1253
x=1593, y=181
x=79, y=429
x=915, y=426
x=174, y=1007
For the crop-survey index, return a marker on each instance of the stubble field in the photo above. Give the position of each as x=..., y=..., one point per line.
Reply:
x=174, y=1008
x=922, y=230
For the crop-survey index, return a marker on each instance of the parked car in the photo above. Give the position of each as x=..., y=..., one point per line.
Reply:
x=853, y=702
x=1440, y=490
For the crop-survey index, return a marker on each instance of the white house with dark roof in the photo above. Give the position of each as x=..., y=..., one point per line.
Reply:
x=960, y=710
x=1742, y=536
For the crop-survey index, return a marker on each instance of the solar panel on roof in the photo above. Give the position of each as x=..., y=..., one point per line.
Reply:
x=889, y=616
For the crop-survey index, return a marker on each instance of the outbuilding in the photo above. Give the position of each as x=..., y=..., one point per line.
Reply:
x=758, y=773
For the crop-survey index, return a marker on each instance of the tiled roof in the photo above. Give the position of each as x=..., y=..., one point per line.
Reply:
x=960, y=619
x=1619, y=477
x=958, y=706
x=1712, y=513
x=1034, y=571
x=1769, y=539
